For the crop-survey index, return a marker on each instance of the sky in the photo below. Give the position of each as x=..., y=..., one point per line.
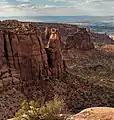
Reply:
x=56, y=7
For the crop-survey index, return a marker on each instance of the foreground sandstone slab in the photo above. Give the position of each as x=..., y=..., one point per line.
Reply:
x=96, y=113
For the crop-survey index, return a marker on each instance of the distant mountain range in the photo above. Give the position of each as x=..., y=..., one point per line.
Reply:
x=96, y=23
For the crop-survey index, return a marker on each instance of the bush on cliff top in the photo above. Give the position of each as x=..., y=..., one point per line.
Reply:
x=37, y=111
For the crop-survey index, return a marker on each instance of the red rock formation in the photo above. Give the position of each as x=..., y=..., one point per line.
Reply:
x=24, y=63
x=80, y=39
x=23, y=53
x=47, y=33
x=69, y=41
x=23, y=49
x=54, y=51
x=101, y=38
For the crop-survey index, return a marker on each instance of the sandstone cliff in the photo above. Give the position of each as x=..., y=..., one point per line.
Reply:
x=80, y=40
x=24, y=62
x=101, y=38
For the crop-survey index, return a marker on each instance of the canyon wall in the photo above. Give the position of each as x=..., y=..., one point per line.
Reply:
x=80, y=40
x=101, y=38
x=24, y=65
x=23, y=49
x=32, y=69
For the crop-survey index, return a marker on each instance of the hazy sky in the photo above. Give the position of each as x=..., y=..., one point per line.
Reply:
x=56, y=7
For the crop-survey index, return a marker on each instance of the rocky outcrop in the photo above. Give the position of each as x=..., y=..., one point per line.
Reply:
x=10, y=93
x=26, y=53
x=8, y=77
x=26, y=63
x=22, y=48
x=96, y=113
x=53, y=50
x=80, y=40
x=101, y=38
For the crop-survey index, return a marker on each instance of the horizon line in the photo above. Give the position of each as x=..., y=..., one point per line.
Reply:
x=61, y=16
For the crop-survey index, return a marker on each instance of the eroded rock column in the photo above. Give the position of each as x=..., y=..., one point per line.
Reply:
x=53, y=49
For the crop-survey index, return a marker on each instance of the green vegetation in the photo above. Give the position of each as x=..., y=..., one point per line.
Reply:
x=34, y=110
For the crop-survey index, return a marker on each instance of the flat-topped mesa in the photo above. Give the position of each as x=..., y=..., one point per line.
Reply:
x=80, y=40
x=22, y=48
x=101, y=38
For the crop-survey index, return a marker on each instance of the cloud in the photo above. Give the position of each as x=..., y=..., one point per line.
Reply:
x=23, y=0
x=58, y=0
x=70, y=7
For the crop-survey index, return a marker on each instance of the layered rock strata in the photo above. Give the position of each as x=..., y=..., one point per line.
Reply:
x=24, y=64
x=80, y=39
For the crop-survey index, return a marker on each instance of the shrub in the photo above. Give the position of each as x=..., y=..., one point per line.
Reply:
x=37, y=111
